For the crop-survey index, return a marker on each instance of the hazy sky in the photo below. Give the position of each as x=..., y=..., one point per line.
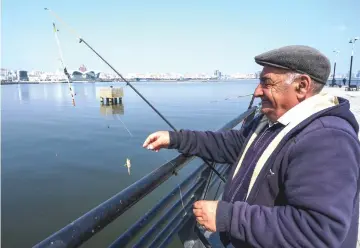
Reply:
x=174, y=36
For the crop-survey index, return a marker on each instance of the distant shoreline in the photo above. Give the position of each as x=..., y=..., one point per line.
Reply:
x=339, y=82
x=121, y=81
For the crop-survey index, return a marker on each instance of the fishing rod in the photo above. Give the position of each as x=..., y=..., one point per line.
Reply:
x=62, y=64
x=81, y=40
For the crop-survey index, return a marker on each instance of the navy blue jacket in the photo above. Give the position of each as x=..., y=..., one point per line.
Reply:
x=311, y=197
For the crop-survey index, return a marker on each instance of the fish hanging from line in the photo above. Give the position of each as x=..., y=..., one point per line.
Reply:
x=128, y=165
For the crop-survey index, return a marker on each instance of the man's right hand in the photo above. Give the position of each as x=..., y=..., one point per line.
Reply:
x=157, y=140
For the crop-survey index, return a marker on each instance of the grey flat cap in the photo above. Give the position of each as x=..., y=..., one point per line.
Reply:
x=302, y=59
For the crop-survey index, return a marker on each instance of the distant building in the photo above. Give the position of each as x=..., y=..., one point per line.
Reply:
x=82, y=68
x=35, y=73
x=217, y=74
x=86, y=75
x=358, y=74
x=4, y=73
x=82, y=74
x=22, y=75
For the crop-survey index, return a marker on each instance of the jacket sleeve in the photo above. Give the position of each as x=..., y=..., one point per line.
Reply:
x=220, y=147
x=320, y=185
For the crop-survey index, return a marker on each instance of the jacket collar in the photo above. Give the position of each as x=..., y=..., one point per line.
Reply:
x=306, y=108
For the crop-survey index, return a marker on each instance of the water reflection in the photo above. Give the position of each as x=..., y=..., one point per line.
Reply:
x=59, y=92
x=54, y=92
x=85, y=90
x=24, y=92
x=112, y=109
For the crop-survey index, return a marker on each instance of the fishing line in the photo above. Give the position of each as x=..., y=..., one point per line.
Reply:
x=182, y=202
x=81, y=40
x=207, y=186
x=181, y=196
x=235, y=97
x=118, y=117
x=70, y=28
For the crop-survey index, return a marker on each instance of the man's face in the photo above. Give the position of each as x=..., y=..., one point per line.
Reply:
x=276, y=95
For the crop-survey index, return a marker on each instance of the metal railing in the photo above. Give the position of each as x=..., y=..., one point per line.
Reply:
x=340, y=83
x=178, y=213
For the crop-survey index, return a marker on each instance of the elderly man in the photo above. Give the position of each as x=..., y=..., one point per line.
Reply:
x=294, y=180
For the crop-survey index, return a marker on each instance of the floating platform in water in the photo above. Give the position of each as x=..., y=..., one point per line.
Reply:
x=111, y=95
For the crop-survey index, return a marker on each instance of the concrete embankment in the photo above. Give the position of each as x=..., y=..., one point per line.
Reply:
x=352, y=96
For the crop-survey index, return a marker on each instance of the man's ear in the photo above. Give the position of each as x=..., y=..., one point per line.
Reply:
x=303, y=86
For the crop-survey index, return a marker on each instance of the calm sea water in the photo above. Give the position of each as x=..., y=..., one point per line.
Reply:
x=59, y=161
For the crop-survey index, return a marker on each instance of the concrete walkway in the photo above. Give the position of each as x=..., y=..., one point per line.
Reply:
x=354, y=99
x=352, y=96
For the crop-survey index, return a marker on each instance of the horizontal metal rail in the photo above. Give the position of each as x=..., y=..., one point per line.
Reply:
x=86, y=226
x=176, y=220
x=124, y=239
x=175, y=230
x=354, y=81
x=165, y=216
x=79, y=231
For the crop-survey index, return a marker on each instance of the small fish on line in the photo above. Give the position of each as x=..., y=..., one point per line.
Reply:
x=128, y=165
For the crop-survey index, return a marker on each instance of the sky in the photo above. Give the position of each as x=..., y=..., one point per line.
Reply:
x=174, y=36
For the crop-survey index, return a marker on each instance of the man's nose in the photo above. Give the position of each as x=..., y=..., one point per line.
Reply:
x=258, y=91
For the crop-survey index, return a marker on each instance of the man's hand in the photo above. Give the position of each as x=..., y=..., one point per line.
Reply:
x=205, y=213
x=157, y=140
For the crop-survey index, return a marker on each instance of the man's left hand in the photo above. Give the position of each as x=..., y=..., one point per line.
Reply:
x=205, y=213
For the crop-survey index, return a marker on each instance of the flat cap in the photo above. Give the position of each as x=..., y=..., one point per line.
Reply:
x=301, y=59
